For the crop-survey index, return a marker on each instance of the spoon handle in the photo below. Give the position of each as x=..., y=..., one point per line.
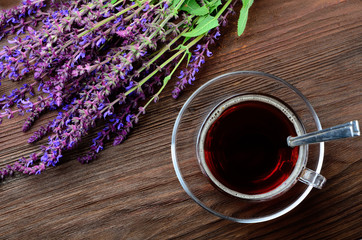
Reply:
x=350, y=129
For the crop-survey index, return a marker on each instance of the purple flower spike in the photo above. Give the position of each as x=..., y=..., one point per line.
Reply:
x=93, y=62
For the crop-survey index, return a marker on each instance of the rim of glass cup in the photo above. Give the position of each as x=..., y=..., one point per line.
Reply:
x=184, y=184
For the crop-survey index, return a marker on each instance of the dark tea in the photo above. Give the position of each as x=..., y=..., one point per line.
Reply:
x=245, y=146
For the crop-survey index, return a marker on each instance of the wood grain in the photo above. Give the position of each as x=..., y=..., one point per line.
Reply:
x=131, y=191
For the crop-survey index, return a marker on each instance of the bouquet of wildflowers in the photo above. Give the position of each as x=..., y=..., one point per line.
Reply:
x=99, y=59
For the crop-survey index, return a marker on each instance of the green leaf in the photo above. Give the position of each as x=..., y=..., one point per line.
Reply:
x=185, y=40
x=213, y=5
x=114, y=1
x=203, y=27
x=166, y=79
x=200, y=11
x=200, y=19
x=243, y=17
x=189, y=55
x=181, y=46
x=192, y=7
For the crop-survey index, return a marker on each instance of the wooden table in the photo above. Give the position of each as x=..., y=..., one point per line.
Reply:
x=132, y=192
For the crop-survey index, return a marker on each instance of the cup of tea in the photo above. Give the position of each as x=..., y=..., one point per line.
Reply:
x=242, y=148
x=230, y=150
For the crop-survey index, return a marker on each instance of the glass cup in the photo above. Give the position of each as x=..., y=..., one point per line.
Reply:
x=196, y=116
x=298, y=171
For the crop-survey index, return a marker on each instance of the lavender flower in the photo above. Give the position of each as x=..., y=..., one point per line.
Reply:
x=91, y=61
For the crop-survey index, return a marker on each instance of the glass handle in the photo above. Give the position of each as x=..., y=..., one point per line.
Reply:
x=312, y=178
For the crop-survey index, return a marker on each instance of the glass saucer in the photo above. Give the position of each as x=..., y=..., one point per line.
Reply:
x=187, y=127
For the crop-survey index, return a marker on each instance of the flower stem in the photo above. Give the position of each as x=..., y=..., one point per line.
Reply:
x=226, y=5
x=165, y=63
x=149, y=63
x=165, y=81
